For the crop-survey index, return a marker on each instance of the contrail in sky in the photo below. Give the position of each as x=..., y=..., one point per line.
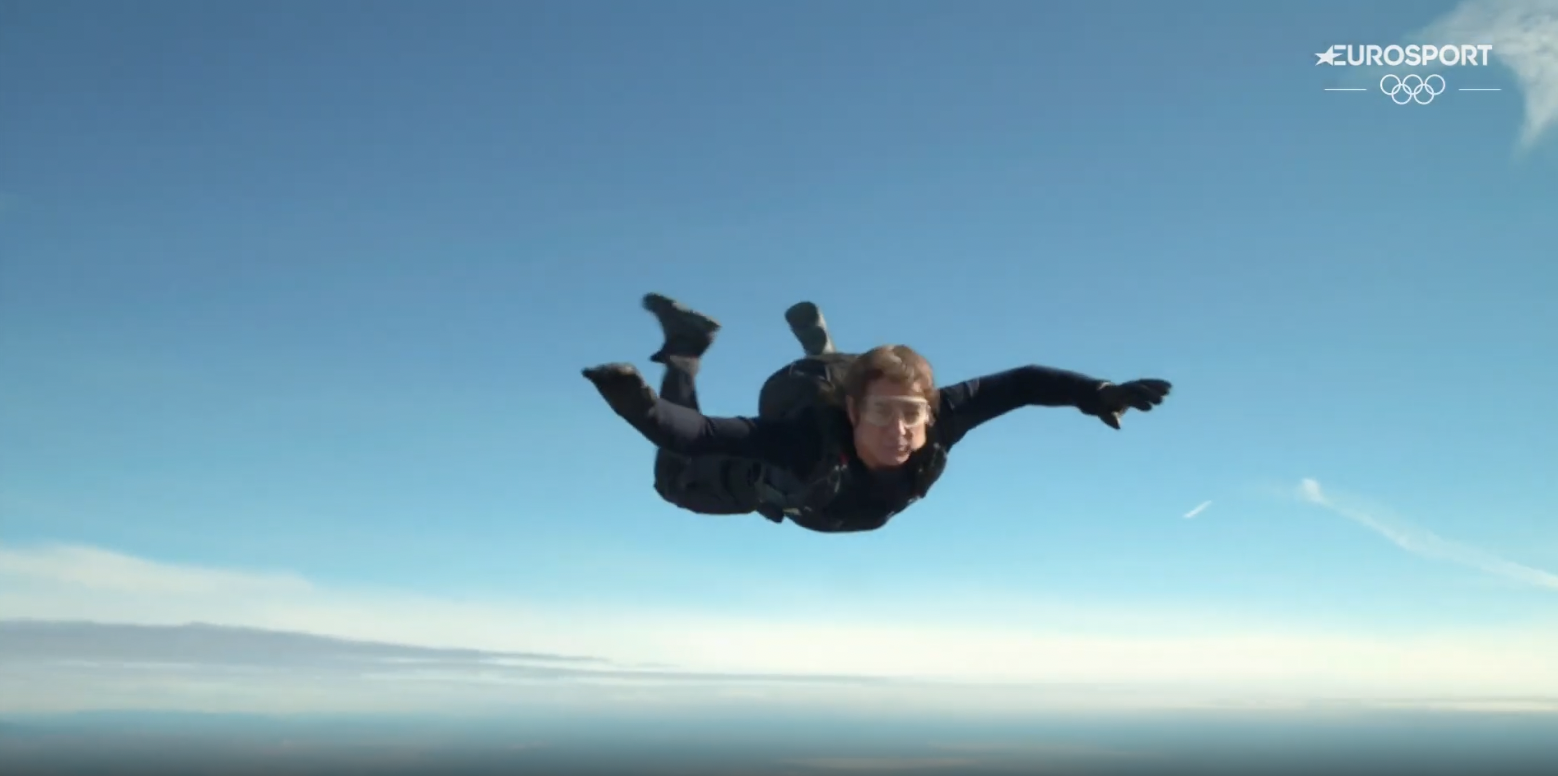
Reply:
x=1420, y=541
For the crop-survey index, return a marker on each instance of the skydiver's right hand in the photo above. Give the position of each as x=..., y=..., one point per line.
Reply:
x=624, y=389
x=1112, y=400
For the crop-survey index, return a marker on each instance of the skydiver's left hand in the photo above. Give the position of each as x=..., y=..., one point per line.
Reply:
x=1114, y=400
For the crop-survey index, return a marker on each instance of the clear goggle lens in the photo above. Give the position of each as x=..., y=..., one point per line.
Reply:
x=891, y=411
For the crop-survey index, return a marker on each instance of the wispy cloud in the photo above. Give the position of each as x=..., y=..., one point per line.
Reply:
x=95, y=569
x=289, y=643
x=1423, y=542
x=203, y=644
x=1201, y=507
x=1524, y=36
x=35, y=643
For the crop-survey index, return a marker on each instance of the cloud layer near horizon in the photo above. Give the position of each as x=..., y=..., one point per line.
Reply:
x=584, y=657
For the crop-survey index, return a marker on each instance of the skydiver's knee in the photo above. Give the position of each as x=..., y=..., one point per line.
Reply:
x=699, y=484
x=670, y=476
x=668, y=491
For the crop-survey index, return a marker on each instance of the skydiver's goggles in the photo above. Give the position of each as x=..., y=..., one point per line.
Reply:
x=911, y=411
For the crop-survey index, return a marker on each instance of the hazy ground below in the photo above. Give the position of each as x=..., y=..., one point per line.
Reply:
x=1335, y=741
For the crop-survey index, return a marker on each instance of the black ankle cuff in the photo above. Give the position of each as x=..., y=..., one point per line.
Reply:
x=688, y=364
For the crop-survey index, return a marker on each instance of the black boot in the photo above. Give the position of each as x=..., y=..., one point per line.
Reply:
x=807, y=325
x=688, y=333
x=624, y=389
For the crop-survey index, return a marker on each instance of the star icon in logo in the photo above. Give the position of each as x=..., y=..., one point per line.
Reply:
x=1328, y=57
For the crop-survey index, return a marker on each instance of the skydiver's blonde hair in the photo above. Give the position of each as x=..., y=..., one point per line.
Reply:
x=897, y=363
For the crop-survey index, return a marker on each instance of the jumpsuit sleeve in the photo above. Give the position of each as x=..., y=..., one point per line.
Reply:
x=790, y=442
x=967, y=405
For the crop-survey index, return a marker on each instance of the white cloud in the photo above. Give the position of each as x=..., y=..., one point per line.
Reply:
x=94, y=569
x=1201, y=507
x=989, y=666
x=1425, y=543
x=1524, y=36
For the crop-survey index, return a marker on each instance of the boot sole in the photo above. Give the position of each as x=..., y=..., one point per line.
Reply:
x=669, y=310
x=605, y=372
x=804, y=315
x=806, y=323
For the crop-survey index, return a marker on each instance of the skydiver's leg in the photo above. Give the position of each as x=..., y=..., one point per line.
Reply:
x=688, y=333
x=679, y=386
x=706, y=484
x=809, y=327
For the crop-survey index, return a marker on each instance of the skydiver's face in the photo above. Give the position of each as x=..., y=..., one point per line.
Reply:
x=890, y=423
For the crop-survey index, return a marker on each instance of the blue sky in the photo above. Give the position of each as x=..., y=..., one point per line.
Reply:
x=296, y=294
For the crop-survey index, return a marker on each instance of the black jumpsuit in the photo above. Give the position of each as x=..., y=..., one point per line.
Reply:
x=709, y=465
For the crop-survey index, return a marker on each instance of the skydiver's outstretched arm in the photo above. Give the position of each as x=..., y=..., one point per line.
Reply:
x=967, y=405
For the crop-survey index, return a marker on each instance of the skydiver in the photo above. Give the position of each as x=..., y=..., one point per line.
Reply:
x=842, y=442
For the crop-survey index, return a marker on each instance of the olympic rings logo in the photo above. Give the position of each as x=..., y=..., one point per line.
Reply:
x=1411, y=88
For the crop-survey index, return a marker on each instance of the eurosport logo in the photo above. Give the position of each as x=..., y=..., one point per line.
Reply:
x=1414, y=55
x=1409, y=88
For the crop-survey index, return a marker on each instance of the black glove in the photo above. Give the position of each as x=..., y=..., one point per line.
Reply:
x=1113, y=400
x=624, y=389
